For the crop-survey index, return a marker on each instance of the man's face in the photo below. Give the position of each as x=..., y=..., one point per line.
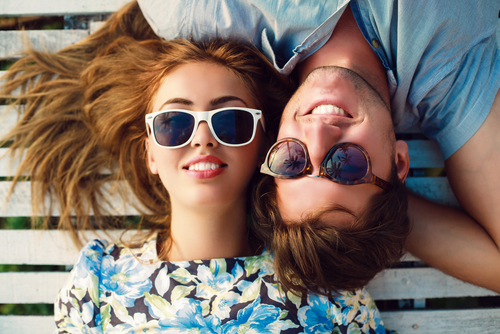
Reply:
x=335, y=105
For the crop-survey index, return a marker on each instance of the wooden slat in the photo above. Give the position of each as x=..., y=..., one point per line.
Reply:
x=11, y=42
x=58, y=7
x=424, y=154
x=7, y=120
x=23, y=246
x=32, y=324
x=30, y=287
x=41, y=287
x=416, y=283
x=404, y=322
x=19, y=204
x=471, y=321
x=434, y=188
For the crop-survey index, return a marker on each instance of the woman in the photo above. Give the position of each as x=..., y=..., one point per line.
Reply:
x=183, y=123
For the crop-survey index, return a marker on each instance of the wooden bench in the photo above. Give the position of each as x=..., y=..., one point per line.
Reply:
x=413, y=283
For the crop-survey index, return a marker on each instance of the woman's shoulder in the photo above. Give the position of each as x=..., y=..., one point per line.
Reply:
x=96, y=251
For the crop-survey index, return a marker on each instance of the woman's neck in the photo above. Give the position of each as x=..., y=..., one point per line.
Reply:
x=208, y=233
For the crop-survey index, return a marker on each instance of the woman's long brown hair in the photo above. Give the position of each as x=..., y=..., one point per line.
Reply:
x=82, y=127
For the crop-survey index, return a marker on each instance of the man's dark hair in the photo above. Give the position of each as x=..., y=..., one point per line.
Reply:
x=312, y=255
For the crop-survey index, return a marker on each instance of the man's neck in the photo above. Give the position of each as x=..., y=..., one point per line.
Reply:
x=348, y=48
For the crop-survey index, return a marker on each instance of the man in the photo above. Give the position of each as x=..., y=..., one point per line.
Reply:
x=433, y=63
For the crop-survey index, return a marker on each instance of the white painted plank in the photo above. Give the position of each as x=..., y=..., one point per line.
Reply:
x=416, y=283
x=405, y=322
x=7, y=120
x=41, y=247
x=473, y=321
x=58, y=7
x=54, y=246
x=11, y=42
x=424, y=154
x=7, y=165
x=434, y=188
x=27, y=324
x=19, y=204
x=30, y=287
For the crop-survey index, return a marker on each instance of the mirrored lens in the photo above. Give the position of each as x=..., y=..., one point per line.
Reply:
x=233, y=126
x=287, y=158
x=173, y=128
x=346, y=163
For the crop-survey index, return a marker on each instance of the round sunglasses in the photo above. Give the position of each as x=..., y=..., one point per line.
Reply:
x=345, y=163
x=175, y=128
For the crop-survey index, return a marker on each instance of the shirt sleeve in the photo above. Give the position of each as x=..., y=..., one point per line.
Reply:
x=77, y=305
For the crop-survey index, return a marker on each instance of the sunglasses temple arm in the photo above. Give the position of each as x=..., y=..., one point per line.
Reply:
x=381, y=183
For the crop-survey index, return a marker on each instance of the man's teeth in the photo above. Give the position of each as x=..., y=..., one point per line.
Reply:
x=204, y=166
x=328, y=109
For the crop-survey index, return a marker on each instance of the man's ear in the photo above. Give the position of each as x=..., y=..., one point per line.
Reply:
x=402, y=159
x=150, y=159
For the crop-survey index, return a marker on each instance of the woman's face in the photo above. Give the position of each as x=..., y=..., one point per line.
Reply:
x=204, y=173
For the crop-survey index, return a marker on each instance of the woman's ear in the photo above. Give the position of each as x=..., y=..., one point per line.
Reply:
x=402, y=159
x=150, y=158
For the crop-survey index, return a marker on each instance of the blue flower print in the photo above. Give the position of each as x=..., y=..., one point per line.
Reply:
x=141, y=325
x=75, y=324
x=319, y=316
x=132, y=291
x=214, y=279
x=87, y=268
x=258, y=318
x=349, y=301
x=369, y=318
x=188, y=318
x=223, y=303
x=126, y=279
x=263, y=264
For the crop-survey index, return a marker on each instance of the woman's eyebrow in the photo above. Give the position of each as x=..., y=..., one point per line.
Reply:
x=214, y=102
x=177, y=100
x=228, y=98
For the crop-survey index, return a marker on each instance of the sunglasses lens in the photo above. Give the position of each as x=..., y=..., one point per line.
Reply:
x=173, y=128
x=287, y=158
x=346, y=163
x=233, y=126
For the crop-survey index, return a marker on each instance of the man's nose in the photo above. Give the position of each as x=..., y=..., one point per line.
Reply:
x=319, y=140
x=204, y=137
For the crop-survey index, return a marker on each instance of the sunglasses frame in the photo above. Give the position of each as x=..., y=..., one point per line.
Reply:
x=205, y=116
x=369, y=177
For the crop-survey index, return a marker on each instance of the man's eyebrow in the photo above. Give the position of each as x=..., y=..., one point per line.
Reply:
x=214, y=102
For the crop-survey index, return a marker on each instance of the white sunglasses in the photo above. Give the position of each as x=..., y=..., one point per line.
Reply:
x=175, y=128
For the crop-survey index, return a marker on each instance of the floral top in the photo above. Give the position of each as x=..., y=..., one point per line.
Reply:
x=113, y=289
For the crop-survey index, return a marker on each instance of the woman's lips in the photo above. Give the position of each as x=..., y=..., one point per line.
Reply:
x=204, y=167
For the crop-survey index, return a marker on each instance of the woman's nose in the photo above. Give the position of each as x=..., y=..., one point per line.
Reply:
x=204, y=137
